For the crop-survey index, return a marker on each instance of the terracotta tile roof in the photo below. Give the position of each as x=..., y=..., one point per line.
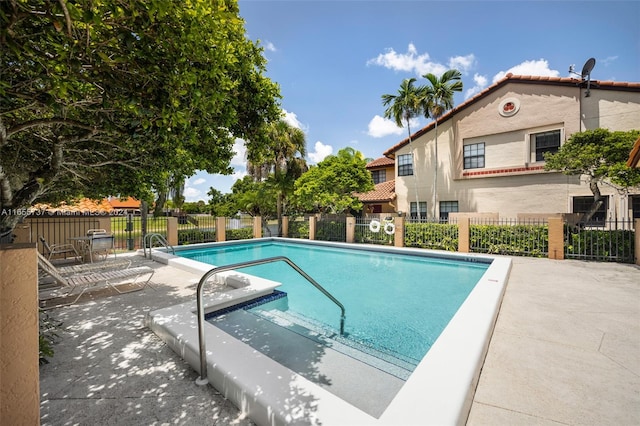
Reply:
x=381, y=162
x=124, y=203
x=385, y=191
x=524, y=79
x=84, y=205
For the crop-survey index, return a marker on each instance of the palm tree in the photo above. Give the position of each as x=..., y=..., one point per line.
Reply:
x=281, y=163
x=438, y=98
x=404, y=106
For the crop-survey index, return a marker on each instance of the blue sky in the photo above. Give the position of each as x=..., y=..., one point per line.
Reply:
x=334, y=60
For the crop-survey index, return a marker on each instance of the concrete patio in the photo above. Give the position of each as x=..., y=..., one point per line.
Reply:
x=565, y=350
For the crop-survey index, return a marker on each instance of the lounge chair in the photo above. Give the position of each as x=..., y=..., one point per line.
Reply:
x=94, y=279
x=57, y=249
x=94, y=267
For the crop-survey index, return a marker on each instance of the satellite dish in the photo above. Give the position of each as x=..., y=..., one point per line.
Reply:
x=588, y=66
x=586, y=74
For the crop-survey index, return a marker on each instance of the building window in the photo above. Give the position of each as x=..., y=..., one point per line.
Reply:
x=544, y=142
x=635, y=207
x=583, y=204
x=413, y=213
x=379, y=176
x=405, y=165
x=447, y=207
x=474, y=156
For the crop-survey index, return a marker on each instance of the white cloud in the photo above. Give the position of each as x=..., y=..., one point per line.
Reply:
x=463, y=63
x=292, y=119
x=420, y=64
x=239, y=159
x=606, y=61
x=480, y=83
x=320, y=152
x=269, y=46
x=191, y=193
x=198, y=181
x=380, y=127
x=537, y=68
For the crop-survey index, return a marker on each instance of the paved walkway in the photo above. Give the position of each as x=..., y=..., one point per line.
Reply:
x=566, y=351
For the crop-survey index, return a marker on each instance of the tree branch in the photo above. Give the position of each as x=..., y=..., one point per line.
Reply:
x=48, y=122
x=66, y=16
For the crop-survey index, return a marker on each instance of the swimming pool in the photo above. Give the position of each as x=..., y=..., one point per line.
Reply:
x=439, y=391
x=395, y=303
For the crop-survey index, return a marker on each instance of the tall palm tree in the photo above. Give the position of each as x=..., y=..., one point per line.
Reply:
x=281, y=162
x=404, y=106
x=438, y=98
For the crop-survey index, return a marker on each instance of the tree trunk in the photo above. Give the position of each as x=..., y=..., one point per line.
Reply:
x=279, y=212
x=597, y=202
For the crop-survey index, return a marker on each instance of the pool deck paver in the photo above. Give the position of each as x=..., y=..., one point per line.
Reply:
x=565, y=351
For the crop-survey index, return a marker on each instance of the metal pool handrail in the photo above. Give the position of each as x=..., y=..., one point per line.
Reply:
x=149, y=239
x=202, y=380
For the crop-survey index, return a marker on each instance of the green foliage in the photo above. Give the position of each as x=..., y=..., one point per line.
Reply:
x=239, y=234
x=331, y=230
x=48, y=336
x=298, y=229
x=434, y=236
x=519, y=240
x=330, y=186
x=364, y=235
x=599, y=154
x=108, y=97
x=253, y=198
x=601, y=245
x=192, y=236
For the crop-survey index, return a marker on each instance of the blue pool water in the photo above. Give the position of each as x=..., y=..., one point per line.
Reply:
x=395, y=303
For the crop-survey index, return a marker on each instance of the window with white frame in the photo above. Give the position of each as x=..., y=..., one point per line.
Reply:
x=583, y=205
x=413, y=210
x=544, y=142
x=447, y=207
x=379, y=176
x=405, y=165
x=474, y=155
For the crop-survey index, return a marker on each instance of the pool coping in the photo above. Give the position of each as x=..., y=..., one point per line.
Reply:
x=440, y=390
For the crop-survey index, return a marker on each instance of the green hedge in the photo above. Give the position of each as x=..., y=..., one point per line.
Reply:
x=239, y=234
x=434, y=236
x=192, y=236
x=616, y=245
x=299, y=229
x=518, y=240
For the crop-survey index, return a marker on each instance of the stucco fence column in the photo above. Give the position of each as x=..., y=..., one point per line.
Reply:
x=221, y=229
x=19, y=368
x=556, y=238
x=172, y=230
x=285, y=226
x=398, y=235
x=313, y=221
x=464, y=234
x=257, y=227
x=351, y=229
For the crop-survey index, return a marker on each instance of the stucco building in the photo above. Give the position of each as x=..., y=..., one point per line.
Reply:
x=490, y=150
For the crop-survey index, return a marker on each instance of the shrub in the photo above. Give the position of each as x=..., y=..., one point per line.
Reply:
x=517, y=240
x=436, y=236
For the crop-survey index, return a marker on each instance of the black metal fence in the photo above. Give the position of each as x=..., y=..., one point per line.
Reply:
x=197, y=229
x=431, y=234
x=239, y=228
x=516, y=237
x=608, y=241
x=299, y=227
x=374, y=230
x=332, y=228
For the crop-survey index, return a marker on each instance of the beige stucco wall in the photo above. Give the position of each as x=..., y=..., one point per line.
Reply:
x=19, y=369
x=507, y=147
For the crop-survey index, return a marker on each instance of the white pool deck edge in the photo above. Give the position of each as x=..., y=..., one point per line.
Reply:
x=439, y=392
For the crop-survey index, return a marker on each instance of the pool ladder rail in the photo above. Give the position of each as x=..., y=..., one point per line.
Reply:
x=149, y=239
x=203, y=380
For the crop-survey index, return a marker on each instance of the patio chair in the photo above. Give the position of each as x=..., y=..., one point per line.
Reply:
x=101, y=244
x=59, y=249
x=94, y=279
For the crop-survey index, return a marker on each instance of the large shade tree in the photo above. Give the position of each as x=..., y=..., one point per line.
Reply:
x=102, y=97
x=599, y=155
x=330, y=186
x=437, y=98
